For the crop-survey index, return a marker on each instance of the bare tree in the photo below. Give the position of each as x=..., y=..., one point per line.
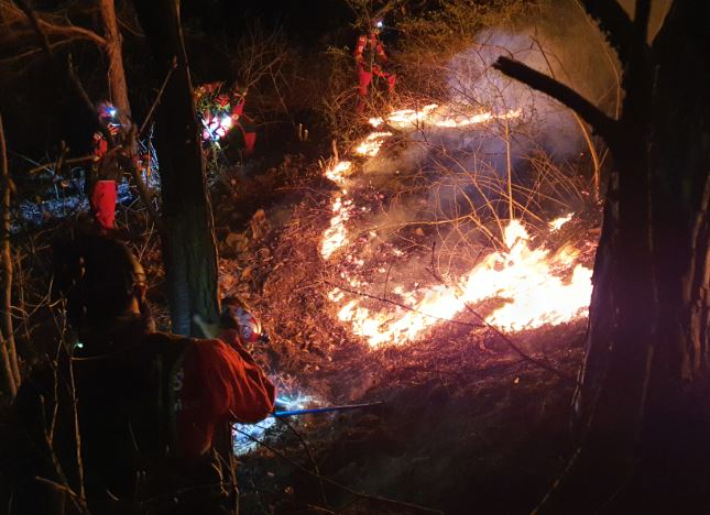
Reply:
x=19, y=25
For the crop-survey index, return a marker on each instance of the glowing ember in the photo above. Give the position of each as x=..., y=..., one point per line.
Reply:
x=557, y=223
x=372, y=144
x=336, y=236
x=527, y=279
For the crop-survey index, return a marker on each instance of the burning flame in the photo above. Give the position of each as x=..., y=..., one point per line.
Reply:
x=557, y=223
x=530, y=281
x=431, y=115
x=336, y=236
x=338, y=172
x=371, y=145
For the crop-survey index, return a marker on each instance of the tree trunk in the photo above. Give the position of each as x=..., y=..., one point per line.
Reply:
x=647, y=350
x=7, y=339
x=189, y=247
x=116, y=72
x=648, y=340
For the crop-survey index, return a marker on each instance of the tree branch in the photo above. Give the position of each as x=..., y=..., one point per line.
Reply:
x=615, y=23
x=601, y=124
x=69, y=31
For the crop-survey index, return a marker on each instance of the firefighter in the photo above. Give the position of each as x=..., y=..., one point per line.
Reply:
x=221, y=112
x=370, y=58
x=150, y=405
x=102, y=186
x=244, y=122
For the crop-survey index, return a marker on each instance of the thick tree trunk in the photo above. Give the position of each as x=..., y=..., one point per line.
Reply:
x=647, y=354
x=648, y=343
x=116, y=72
x=189, y=248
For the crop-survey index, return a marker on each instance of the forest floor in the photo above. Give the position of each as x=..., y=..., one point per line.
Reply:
x=467, y=423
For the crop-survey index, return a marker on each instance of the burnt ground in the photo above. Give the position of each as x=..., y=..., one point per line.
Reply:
x=467, y=424
x=462, y=430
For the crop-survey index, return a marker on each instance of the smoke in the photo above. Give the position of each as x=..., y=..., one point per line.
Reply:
x=456, y=173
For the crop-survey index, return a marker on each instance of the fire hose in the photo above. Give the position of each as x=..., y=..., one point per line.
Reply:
x=325, y=409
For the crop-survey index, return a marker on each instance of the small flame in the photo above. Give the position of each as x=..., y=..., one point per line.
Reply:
x=557, y=223
x=371, y=145
x=338, y=172
x=427, y=115
x=405, y=118
x=336, y=236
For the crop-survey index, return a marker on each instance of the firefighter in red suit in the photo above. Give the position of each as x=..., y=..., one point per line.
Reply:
x=370, y=58
x=103, y=184
x=149, y=404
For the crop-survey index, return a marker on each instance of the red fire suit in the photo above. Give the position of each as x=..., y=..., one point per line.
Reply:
x=103, y=195
x=370, y=56
x=245, y=126
x=151, y=406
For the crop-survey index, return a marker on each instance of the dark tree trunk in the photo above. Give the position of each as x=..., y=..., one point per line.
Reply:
x=189, y=247
x=647, y=352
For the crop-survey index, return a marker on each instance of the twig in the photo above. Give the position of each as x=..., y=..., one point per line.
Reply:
x=129, y=164
x=522, y=353
x=334, y=483
x=76, y=499
x=158, y=97
x=53, y=166
x=308, y=453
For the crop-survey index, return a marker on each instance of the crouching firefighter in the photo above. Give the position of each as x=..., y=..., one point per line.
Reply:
x=148, y=405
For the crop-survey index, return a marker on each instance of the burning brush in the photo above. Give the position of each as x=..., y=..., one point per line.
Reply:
x=537, y=286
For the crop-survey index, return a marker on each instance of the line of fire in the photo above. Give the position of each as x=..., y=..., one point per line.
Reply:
x=354, y=257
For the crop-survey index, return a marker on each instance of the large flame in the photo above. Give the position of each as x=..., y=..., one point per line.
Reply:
x=534, y=286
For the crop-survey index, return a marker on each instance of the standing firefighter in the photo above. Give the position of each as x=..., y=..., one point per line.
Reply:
x=149, y=405
x=102, y=186
x=371, y=58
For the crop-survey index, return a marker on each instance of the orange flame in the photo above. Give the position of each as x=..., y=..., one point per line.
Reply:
x=371, y=145
x=528, y=280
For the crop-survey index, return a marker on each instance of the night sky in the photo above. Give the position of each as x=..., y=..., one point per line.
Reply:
x=305, y=21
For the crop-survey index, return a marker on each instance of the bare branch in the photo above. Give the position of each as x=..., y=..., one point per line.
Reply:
x=51, y=28
x=602, y=124
x=149, y=116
